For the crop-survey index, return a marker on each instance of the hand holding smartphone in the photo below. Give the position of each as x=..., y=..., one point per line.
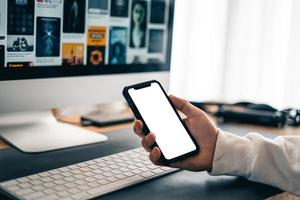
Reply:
x=150, y=104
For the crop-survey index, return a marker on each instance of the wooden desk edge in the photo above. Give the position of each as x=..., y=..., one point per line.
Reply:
x=75, y=120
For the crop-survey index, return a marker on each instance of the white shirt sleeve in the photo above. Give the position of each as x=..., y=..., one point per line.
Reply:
x=273, y=162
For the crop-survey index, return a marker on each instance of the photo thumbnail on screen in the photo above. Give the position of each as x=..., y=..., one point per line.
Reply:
x=72, y=54
x=158, y=11
x=96, y=45
x=117, y=45
x=20, y=43
x=138, y=24
x=74, y=16
x=156, y=41
x=98, y=7
x=48, y=37
x=20, y=19
x=119, y=8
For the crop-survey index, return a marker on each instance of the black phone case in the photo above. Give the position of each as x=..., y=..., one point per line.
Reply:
x=145, y=127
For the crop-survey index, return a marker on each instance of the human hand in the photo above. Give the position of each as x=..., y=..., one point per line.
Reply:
x=200, y=126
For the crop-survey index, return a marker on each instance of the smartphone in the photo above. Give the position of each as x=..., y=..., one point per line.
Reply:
x=150, y=104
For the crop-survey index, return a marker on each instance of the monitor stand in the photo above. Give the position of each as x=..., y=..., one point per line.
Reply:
x=35, y=132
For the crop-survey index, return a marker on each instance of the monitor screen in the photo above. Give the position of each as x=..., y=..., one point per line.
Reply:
x=57, y=38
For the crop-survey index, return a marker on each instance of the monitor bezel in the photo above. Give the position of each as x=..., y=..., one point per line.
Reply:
x=57, y=71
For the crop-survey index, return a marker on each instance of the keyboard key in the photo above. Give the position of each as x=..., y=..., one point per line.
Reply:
x=46, y=179
x=85, y=169
x=24, y=185
x=59, y=182
x=94, y=166
x=132, y=167
x=147, y=174
x=9, y=183
x=152, y=167
x=82, y=164
x=99, y=176
x=64, y=169
x=93, y=184
x=14, y=188
x=23, y=180
x=56, y=176
x=69, y=179
x=129, y=174
x=108, y=174
x=59, y=188
x=97, y=171
x=80, y=182
x=90, y=162
x=24, y=191
x=88, y=174
x=108, y=187
x=106, y=169
x=70, y=185
x=49, y=191
x=36, y=182
x=34, y=177
x=81, y=195
x=72, y=167
x=114, y=166
x=120, y=176
x=76, y=171
x=90, y=179
x=44, y=174
x=53, y=172
x=34, y=195
x=124, y=169
x=49, y=185
x=103, y=182
x=111, y=179
x=116, y=171
x=50, y=197
x=73, y=191
x=79, y=176
x=101, y=163
x=66, y=174
x=109, y=162
x=144, y=169
x=84, y=187
x=157, y=171
x=136, y=171
x=38, y=187
x=63, y=194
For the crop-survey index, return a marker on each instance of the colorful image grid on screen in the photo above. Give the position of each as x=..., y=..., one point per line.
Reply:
x=70, y=33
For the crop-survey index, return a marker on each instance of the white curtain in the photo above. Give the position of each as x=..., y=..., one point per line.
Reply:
x=233, y=50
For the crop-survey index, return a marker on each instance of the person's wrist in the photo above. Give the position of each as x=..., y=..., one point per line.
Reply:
x=214, y=143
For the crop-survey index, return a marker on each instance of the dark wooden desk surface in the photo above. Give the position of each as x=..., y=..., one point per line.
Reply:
x=277, y=131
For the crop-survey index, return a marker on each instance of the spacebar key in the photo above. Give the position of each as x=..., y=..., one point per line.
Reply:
x=112, y=186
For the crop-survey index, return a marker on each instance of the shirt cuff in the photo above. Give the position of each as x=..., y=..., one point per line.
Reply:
x=233, y=155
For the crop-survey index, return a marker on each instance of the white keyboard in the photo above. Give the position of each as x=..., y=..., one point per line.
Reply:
x=88, y=179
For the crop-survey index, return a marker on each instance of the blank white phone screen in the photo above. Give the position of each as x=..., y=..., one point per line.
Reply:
x=171, y=136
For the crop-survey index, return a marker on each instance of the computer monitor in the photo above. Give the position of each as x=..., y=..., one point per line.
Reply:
x=57, y=53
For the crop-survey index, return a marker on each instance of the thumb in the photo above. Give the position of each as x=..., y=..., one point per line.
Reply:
x=184, y=106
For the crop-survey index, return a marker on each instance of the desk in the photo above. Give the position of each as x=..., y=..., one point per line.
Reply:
x=180, y=185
